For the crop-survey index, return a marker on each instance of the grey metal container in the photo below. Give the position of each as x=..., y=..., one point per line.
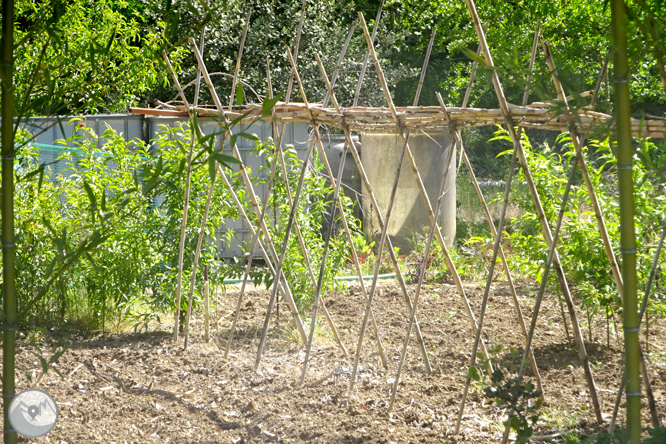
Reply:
x=409, y=215
x=296, y=134
x=49, y=129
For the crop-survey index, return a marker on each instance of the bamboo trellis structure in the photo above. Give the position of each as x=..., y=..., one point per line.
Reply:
x=403, y=121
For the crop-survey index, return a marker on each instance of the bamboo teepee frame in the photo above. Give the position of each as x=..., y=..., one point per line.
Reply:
x=405, y=121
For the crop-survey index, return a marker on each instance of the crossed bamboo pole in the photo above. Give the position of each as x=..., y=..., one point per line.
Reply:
x=350, y=145
x=211, y=189
x=294, y=208
x=188, y=177
x=253, y=243
x=491, y=223
x=578, y=142
x=424, y=194
x=336, y=71
x=422, y=273
x=284, y=285
x=299, y=235
x=204, y=218
x=364, y=67
x=412, y=315
x=380, y=219
x=336, y=195
x=281, y=160
x=539, y=208
x=304, y=250
x=405, y=137
x=498, y=247
x=327, y=240
x=248, y=184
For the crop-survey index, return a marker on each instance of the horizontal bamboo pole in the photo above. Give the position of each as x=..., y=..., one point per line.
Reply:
x=373, y=120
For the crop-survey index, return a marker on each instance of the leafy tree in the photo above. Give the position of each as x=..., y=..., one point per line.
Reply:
x=83, y=56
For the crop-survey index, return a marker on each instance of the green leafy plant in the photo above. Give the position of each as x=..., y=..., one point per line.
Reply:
x=581, y=249
x=521, y=400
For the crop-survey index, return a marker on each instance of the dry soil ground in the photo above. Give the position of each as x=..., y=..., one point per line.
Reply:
x=141, y=388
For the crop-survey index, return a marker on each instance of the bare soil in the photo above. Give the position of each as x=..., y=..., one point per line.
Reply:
x=141, y=388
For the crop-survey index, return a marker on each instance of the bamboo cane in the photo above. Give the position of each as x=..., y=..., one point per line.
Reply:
x=322, y=269
x=544, y=278
x=380, y=248
x=9, y=300
x=355, y=259
x=280, y=156
x=264, y=228
x=238, y=60
x=334, y=76
x=202, y=231
x=255, y=242
x=432, y=230
x=299, y=236
x=296, y=46
x=468, y=91
x=505, y=263
x=535, y=197
x=282, y=125
x=392, y=255
x=556, y=233
x=357, y=93
x=425, y=68
x=578, y=143
x=183, y=225
x=627, y=232
x=530, y=70
x=241, y=293
x=472, y=76
x=252, y=195
x=419, y=182
x=535, y=44
x=648, y=287
x=422, y=273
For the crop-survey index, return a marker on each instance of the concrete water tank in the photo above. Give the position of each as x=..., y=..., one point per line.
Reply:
x=409, y=215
